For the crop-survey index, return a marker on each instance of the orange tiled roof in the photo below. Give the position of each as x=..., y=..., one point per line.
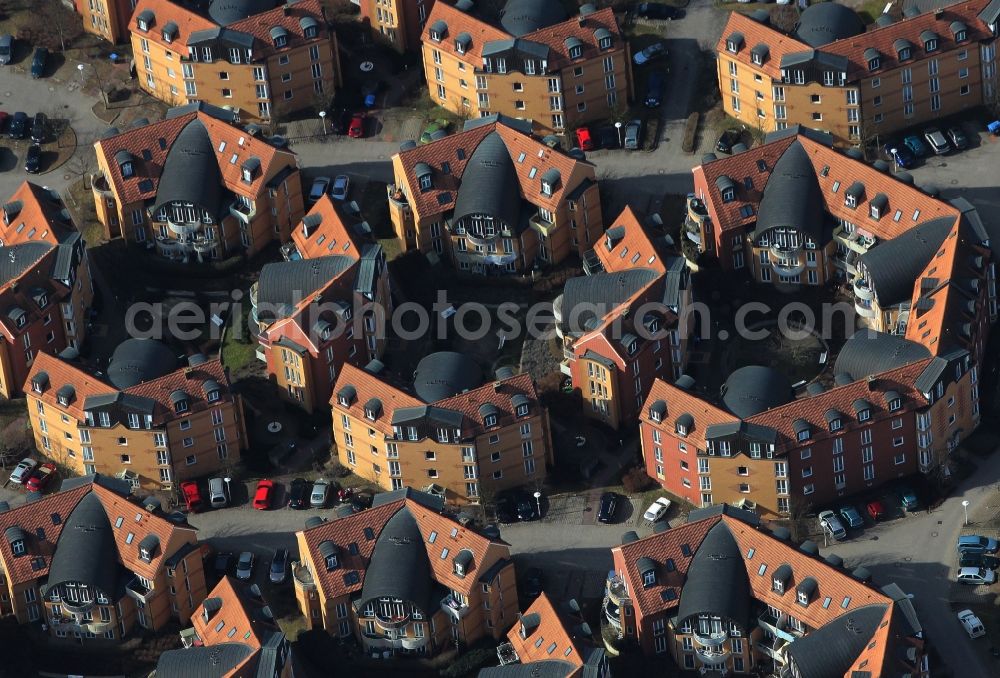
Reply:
x=779, y=44
x=497, y=394
x=331, y=237
x=460, y=22
x=458, y=148
x=237, y=610
x=187, y=23
x=18, y=292
x=61, y=373
x=841, y=399
x=41, y=217
x=554, y=37
x=679, y=402
x=552, y=628
x=287, y=17
x=186, y=379
x=370, y=386
x=636, y=241
x=156, y=140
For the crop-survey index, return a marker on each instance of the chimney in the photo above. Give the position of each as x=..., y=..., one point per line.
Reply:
x=938, y=13
x=496, y=386
x=871, y=382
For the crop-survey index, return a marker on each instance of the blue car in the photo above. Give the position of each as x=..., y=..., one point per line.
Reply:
x=916, y=144
x=901, y=155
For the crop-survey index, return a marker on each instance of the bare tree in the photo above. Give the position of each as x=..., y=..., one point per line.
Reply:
x=51, y=23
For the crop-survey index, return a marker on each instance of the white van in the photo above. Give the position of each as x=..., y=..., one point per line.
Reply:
x=217, y=493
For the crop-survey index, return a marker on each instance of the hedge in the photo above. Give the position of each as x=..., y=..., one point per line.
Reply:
x=690, y=130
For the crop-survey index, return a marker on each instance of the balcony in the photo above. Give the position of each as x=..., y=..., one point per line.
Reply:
x=862, y=289
x=101, y=188
x=775, y=649
x=696, y=209
x=253, y=295
x=184, y=229
x=693, y=234
x=373, y=640
x=864, y=308
x=397, y=197
x=785, y=252
x=76, y=609
x=242, y=211
x=846, y=262
x=613, y=614
x=303, y=577
x=789, y=268
x=139, y=591
x=713, y=639
x=453, y=607
x=507, y=654
x=615, y=588
x=204, y=245
x=410, y=643
x=541, y=226
x=776, y=625
x=712, y=655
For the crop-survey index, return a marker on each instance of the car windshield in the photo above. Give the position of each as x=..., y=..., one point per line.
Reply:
x=245, y=560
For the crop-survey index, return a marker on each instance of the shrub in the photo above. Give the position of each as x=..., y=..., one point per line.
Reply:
x=470, y=662
x=635, y=480
x=690, y=131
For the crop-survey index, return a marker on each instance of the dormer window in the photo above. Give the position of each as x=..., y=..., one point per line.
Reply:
x=874, y=211
x=734, y=42
x=145, y=20
x=803, y=431
x=346, y=395
x=18, y=547
x=128, y=169
x=959, y=30
x=213, y=395
x=490, y=420
x=649, y=578
x=604, y=43
x=777, y=585
x=930, y=45
x=657, y=410
x=575, y=52
x=522, y=411
x=895, y=404
x=805, y=590
x=279, y=36
x=874, y=64
x=684, y=424
x=310, y=28
x=438, y=30
x=331, y=562
x=835, y=424
x=40, y=382
x=546, y=188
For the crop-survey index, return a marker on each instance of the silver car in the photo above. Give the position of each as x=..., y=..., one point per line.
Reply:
x=320, y=493
x=244, y=566
x=632, y=130
x=6, y=48
x=829, y=521
x=22, y=471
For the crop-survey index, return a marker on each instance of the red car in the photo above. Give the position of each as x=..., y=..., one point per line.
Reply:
x=583, y=139
x=192, y=496
x=41, y=478
x=4, y=119
x=875, y=510
x=357, y=127
x=262, y=497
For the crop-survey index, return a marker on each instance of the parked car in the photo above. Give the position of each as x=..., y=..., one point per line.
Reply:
x=430, y=132
x=41, y=477
x=527, y=508
x=957, y=138
x=583, y=139
x=19, y=125
x=727, y=140
x=974, y=543
x=320, y=186
x=656, y=509
x=369, y=91
x=936, y=140
x=654, y=89
x=901, y=155
x=978, y=560
x=356, y=130
x=33, y=159
x=244, y=566
x=907, y=499
x=320, y=493
x=217, y=493
x=655, y=51
x=971, y=623
x=22, y=472
x=192, y=496
x=38, y=128
x=341, y=187
x=223, y=563
x=633, y=131
x=608, y=507
x=851, y=516
x=6, y=48
x=505, y=512
x=976, y=576
x=4, y=119
x=656, y=10
x=264, y=494
x=875, y=510
x=914, y=143
x=297, y=491
x=361, y=501
x=829, y=521
x=279, y=566
x=534, y=583
x=38, y=61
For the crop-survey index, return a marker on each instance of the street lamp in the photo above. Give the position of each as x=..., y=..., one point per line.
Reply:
x=100, y=83
x=965, y=505
x=322, y=116
x=618, y=126
x=538, y=502
x=229, y=494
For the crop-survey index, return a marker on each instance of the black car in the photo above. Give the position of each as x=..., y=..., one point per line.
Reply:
x=957, y=138
x=33, y=159
x=38, y=128
x=361, y=501
x=534, y=583
x=978, y=560
x=656, y=10
x=654, y=89
x=298, y=494
x=223, y=564
x=527, y=508
x=38, y=61
x=505, y=510
x=608, y=508
x=727, y=140
x=19, y=125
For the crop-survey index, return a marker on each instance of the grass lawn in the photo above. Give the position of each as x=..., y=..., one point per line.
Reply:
x=238, y=349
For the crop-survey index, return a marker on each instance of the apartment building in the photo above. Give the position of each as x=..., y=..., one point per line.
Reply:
x=194, y=187
x=567, y=648
x=402, y=578
x=396, y=23
x=234, y=632
x=724, y=594
x=105, y=18
x=91, y=563
x=448, y=431
x=326, y=305
x=147, y=418
x=539, y=64
x=494, y=200
x=45, y=283
x=258, y=58
x=859, y=83
x=624, y=324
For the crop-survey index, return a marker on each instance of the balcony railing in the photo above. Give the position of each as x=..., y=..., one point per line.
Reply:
x=785, y=251
x=454, y=607
x=101, y=187
x=242, y=211
x=712, y=655
x=789, y=269
x=187, y=228
x=303, y=577
x=397, y=197
x=711, y=638
x=138, y=590
x=616, y=589
x=542, y=226
x=864, y=308
x=862, y=290
x=507, y=654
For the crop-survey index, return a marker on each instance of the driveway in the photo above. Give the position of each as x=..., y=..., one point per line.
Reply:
x=918, y=553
